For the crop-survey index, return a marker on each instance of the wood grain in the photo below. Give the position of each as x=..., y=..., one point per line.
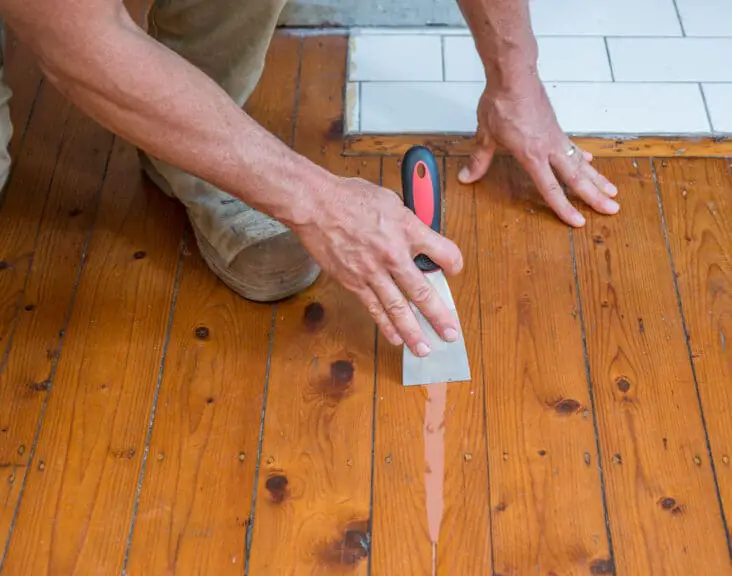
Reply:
x=197, y=491
x=462, y=145
x=401, y=542
x=47, y=296
x=76, y=509
x=697, y=204
x=25, y=199
x=20, y=68
x=546, y=498
x=312, y=508
x=662, y=504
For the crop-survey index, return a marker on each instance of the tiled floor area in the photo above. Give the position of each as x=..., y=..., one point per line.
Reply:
x=610, y=67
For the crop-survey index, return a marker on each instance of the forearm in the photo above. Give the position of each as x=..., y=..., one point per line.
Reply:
x=150, y=96
x=504, y=40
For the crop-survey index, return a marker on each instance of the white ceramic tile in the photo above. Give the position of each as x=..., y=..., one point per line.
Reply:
x=719, y=104
x=605, y=17
x=353, y=110
x=393, y=107
x=560, y=58
x=395, y=57
x=619, y=108
x=706, y=17
x=671, y=59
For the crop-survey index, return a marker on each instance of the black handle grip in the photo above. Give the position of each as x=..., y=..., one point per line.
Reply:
x=421, y=191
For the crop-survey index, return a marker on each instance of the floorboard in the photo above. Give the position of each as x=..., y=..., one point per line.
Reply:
x=47, y=294
x=196, y=498
x=697, y=205
x=313, y=495
x=77, y=503
x=411, y=508
x=545, y=478
x=662, y=504
x=593, y=439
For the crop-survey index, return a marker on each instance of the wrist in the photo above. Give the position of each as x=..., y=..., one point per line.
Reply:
x=511, y=68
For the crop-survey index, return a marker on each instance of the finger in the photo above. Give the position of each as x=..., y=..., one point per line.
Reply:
x=552, y=192
x=478, y=163
x=400, y=314
x=576, y=173
x=587, y=155
x=380, y=316
x=602, y=183
x=439, y=249
x=427, y=300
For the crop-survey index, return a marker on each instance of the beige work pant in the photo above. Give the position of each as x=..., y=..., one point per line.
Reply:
x=255, y=255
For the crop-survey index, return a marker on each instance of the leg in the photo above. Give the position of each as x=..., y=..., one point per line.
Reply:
x=6, y=126
x=255, y=255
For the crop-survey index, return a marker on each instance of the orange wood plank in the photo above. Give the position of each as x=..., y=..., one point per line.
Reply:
x=24, y=78
x=697, y=204
x=25, y=198
x=401, y=540
x=197, y=491
x=462, y=145
x=662, y=503
x=76, y=508
x=546, y=497
x=63, y=234
x=312, y=508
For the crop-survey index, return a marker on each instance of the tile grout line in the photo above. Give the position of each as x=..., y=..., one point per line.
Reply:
x=442, y=54
x=609, y=59
x=689, y=351
x=156, y=395
x=591, y=393
x=249, y=538
x=706, y=107
x=373, y=422
x=680, y=19
x=62, y=333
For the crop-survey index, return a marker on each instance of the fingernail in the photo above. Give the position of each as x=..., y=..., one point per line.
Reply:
x=422, y=349
x=396, y=340
x=451, y=335
x=464, y=174
x=611, y=190
x=612, y=206
x=578, y=220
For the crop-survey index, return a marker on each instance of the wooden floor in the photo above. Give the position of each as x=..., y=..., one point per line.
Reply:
x=151, y=422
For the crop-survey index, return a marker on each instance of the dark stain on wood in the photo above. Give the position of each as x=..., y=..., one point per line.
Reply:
x=277, y=487
x=4, y=265
x=623, y=384
x=617, y=459
x=597, y=239
x=351, y=547
x=501, y=507
x=202, y=333
x=602, y=566
x=670, y=505
x=641, y=327
x=338, y=385
x=665, y=443
x=567, y=406
x=209, y=400
x=29, y=307
x=39, y=386
x=313, y=316
x=74, y=212
x=124, y=454
x=139, y=255
x=542, y=452
x=335, y=130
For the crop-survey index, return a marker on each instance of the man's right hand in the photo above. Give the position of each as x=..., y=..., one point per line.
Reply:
x=366, y=238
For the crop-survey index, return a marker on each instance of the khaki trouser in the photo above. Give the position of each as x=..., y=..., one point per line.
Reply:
x=253, y=254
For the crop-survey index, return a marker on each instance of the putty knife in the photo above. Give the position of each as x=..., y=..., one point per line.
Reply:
x=447, y=361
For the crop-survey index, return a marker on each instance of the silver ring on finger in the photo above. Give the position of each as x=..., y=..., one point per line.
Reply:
x=572, y=150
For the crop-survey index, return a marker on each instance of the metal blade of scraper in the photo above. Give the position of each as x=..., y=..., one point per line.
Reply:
x=448, y=361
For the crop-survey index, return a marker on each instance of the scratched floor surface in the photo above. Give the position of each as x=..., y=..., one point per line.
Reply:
x=151, y=422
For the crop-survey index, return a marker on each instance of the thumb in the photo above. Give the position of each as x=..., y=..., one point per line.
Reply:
x=478, y=164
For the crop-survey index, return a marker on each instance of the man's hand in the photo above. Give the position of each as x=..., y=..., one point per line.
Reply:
x=525, y=125
x=366, y=238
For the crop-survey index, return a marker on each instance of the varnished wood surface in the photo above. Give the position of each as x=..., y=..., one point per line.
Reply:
x=152, y=422
x=463, y=145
